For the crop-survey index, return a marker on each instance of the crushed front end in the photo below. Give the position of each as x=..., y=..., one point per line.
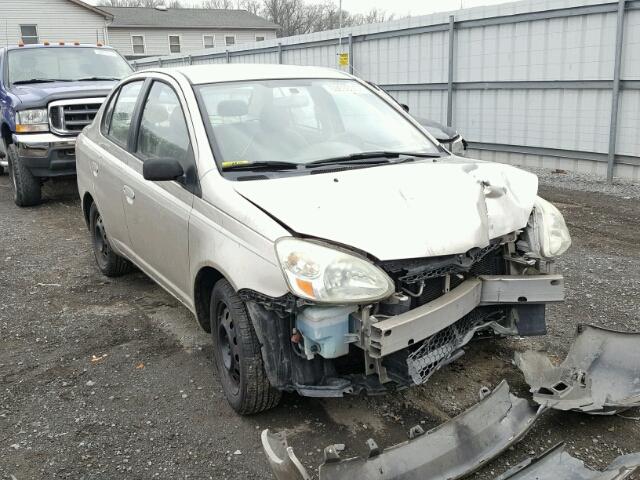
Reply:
x=437, y=306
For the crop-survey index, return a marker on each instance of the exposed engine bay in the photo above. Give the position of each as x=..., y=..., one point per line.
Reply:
x=439, y=305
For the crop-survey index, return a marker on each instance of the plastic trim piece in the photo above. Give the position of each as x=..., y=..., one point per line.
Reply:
x=599, y=375
x=556, y=463
x=453, y=450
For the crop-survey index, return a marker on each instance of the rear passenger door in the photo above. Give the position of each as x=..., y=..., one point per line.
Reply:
x=108, y=165
x=157, y=213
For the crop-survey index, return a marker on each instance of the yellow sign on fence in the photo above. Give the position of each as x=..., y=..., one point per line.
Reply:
x=343, y=59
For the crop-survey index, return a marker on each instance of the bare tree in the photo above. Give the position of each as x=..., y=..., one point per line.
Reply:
x=295, y=17
x=220, y=4
x=140, y=3
x=252, y=6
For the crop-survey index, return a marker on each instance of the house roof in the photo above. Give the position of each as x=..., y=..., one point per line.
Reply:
x=97, y=10
x=186, y=18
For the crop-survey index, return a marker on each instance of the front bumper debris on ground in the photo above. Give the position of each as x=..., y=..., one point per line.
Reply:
x=599, y=376
x=452, y=450
x=556, y=464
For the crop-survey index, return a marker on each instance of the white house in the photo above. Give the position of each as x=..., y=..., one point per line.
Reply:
x=36, y=21
x=138, y=32
x=134, y=31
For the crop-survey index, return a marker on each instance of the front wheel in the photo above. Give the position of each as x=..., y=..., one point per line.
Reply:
x=27, y=190
x=237, y=354
x=109, y=262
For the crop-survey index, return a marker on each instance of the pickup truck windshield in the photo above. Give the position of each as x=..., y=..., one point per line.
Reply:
x=303, y=121
x=65, y=64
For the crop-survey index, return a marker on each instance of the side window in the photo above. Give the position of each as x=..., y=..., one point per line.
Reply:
x=174, y=43
x=137, y=43
x=108, y=112
x=122, y=112
x=29, y=34
x=208, y=41
x=163, y=130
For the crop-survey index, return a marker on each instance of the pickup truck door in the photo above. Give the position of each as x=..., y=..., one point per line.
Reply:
x=157, y=213
x=109, y=162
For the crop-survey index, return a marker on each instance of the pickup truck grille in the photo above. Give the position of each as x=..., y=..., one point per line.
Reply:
x=69, y=117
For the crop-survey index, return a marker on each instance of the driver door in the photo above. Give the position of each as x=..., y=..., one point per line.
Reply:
x=157, y=213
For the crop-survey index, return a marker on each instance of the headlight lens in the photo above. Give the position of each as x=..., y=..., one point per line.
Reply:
x=327, y=275
x=548, y=235
x=35, y=120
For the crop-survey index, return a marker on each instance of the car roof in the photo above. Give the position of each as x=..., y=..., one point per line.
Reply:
x=200, y=74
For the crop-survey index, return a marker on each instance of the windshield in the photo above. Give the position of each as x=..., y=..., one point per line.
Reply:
x=65, y=64
x=303, y=121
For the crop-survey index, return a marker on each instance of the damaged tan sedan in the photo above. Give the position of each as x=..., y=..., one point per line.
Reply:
x=329, y=244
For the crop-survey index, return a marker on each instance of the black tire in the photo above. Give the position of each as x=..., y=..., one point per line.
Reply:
x=109, y=262
x=237, y=354
x=27, y=190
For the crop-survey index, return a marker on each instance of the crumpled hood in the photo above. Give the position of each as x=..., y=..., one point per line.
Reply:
x=401, y=211
x=35, y=95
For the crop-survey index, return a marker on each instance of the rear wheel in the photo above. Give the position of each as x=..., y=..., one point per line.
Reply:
x=27, y=190
x=237, y=353
x=109, y=262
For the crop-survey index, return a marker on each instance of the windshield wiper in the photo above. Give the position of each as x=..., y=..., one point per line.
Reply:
x=39, y=80
x=97, y=79
x=267, y=165
x=372, y=158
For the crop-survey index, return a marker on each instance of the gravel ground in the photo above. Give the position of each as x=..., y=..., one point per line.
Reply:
x=112, y=378
x=625, y=189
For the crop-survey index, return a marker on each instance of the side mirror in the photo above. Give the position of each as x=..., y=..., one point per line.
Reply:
x=405, y=107
x=163, y=169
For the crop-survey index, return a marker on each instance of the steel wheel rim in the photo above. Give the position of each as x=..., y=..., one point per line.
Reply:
x=228, y=345
x=101, y=243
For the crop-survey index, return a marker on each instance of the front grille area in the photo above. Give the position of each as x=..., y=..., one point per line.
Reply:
x=441, y=348
x=425, y=278
x=69, y=117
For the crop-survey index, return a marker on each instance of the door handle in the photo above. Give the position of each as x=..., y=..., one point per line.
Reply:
x=129, y=193
x=94, y=168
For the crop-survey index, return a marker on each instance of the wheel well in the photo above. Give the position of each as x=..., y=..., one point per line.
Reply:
x=205, y=280
x=87, y=201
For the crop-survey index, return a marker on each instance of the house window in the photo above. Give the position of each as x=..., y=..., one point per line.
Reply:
x=137, y=42
x=29, y=34
x=174, y=43
x=229, y=40
x=259, y=38
x=208, y=41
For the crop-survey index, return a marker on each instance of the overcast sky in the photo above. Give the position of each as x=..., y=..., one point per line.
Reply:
x=412, y=7
x=399, y=7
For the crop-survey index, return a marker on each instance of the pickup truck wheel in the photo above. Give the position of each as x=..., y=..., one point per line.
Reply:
x=237, y=354
x=109, y=262
x=27, y=190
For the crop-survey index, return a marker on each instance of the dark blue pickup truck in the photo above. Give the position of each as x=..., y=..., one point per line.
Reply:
x=48, y=94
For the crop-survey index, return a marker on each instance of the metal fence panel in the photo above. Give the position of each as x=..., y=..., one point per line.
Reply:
x=531, y=82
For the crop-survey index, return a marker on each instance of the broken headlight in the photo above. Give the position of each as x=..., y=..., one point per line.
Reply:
x=548, y=234
x=328, y=275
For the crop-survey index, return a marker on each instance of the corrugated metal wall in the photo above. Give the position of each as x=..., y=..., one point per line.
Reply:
x=531, y=81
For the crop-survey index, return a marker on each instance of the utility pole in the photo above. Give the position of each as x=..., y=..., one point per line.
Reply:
x=340, y=26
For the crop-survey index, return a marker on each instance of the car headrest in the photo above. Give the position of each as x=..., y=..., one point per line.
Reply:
x=155, y=113
x=291, y=101
x=232, y=108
